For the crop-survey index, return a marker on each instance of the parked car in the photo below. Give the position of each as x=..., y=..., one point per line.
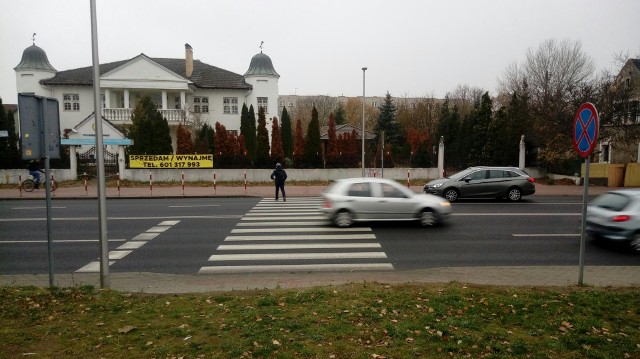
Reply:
x=498, y=182
x=615, y=216
x=376, y=199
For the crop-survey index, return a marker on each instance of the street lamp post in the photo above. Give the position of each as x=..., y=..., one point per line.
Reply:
x=363, y=133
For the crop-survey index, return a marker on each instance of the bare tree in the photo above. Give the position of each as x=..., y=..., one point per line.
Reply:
x=324, y=104
x=554, y=69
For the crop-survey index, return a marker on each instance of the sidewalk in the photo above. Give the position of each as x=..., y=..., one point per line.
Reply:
x=241, y=191
x=538, y=276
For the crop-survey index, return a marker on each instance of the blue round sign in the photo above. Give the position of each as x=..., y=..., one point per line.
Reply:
x=585, y=129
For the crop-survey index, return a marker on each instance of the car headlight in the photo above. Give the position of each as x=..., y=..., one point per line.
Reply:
x=435, y=185
x=445, y=204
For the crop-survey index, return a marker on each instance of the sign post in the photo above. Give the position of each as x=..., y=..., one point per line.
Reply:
x=585, y=135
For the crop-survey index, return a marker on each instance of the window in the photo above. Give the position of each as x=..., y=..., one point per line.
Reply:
x=176, y=100
x=359, y=190
x=200, y=104
x=230, y=105
x=390, y=191
x=262, y=102
x=374, y=104
x=71, y=101
x=290, y=104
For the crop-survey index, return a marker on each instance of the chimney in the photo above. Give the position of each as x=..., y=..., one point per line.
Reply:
x=188, y=70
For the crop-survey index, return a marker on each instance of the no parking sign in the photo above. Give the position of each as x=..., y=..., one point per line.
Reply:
x=585, y=129
x=585, y=135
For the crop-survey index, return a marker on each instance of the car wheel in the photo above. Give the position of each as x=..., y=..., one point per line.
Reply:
x=635, y=242
x=428, y=218
x=514, y=194
x=451, y=195
x=343, y=219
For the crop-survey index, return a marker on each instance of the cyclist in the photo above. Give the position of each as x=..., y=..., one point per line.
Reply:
x=35, y=170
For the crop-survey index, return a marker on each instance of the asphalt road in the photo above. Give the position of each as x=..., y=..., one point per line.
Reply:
x=252, y=235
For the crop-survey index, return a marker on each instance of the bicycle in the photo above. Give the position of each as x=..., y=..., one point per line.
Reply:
x=29, y=185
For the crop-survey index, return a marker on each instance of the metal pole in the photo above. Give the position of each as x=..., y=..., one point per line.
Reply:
x=102, y=192
x=585, y=194
x=382, y=159
x=362, y=135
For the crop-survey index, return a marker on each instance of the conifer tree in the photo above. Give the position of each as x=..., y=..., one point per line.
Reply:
x=332, y=150
x=387, y=123
x=287, y=135
x=252, y=133
x=262, y=159
x=298, y=146
x=184, y=143
x=313, y=147
x=204, y=140
x=277, y=152
x=149, y=130
x=221, y=145
x=9, y=150
x=341, y=115
x=248, y=130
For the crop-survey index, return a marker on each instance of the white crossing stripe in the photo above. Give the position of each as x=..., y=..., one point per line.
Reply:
x=307, y=229
x=118, y=254
x=236, y=247
x=270, y=213
x=158, y=229
x=145, y=236
x=279, y=224
x=300, y=237
x=290, y=256
x=92, y=267
x=297, y=268
x=132, y=245
x=168, y=223
x=301, y=218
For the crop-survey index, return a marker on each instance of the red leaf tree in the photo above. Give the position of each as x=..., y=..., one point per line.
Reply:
x=184, y=143
x=277, y=151
x=298, y=146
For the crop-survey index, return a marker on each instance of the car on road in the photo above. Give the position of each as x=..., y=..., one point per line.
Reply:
x=497, y=182
x=377, y=199
x=615, y=216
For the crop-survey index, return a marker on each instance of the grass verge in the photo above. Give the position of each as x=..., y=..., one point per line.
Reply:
x=352, y=321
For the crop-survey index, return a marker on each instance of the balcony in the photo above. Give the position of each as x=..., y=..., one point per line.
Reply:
x=123, y=115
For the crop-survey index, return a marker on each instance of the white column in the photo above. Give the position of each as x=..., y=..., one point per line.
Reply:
x=73, y=160
x=441, y=157
x=521, y=158
x=121, y=161
x=164, y=100
x=126, y=99
x=107, y=98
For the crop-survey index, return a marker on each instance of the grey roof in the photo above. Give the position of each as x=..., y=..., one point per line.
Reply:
x=261, y=65
x=346, y=128
x=203, y=76
x=34, y=58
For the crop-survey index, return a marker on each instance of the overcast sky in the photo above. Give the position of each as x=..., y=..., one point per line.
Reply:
x=411, y=48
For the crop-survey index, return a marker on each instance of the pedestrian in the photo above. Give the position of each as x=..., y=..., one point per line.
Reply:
x=34, y=170
x=279, y=175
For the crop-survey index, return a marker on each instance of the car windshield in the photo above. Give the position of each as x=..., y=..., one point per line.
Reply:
x=461, y=174
x=611, y=201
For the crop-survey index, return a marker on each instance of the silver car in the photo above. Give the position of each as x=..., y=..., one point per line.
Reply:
x=376, y=199
x=615, y=216
x=497, y=182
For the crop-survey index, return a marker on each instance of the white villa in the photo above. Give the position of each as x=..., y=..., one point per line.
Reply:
x=185, y=90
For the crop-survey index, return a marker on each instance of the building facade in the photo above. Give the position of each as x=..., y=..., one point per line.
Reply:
x=185, y=90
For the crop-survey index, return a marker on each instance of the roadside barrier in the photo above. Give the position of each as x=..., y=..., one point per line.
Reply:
x=215, y=191
x=52, y=186
x=245, y=182
x=182, y=180
x=408, y=178
x=150, y=183
x=20, y=184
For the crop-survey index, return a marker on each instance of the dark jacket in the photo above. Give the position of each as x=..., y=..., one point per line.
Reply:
x=279, y=175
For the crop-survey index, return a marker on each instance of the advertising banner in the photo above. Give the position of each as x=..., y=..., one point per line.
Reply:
x=171, y=161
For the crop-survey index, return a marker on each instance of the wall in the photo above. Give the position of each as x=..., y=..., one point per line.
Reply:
x=415, y=175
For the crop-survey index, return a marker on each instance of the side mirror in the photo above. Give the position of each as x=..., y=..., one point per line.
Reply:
x=467, y=179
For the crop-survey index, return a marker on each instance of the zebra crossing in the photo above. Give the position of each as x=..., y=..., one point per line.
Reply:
x=294, y=236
